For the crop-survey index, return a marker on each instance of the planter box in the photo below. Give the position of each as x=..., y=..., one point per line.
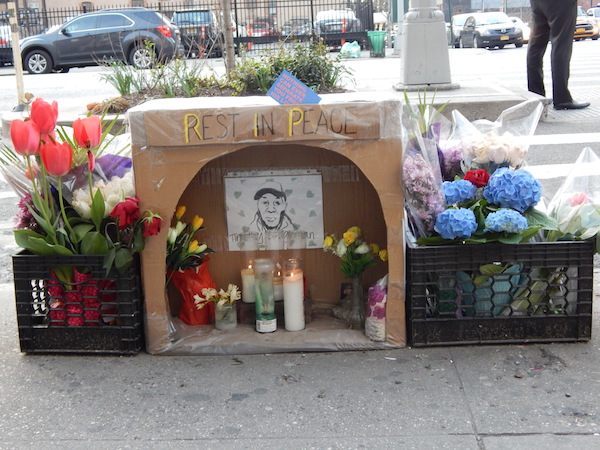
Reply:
x=94, y=314
x=498, y=293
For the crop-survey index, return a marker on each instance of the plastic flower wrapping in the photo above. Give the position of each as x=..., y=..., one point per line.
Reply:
x=76, y=197
x=576, y=205
x=467, y=184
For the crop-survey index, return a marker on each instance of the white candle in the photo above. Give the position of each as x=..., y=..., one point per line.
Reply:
x=293, y=300
x=278, y=288
x=248, y=285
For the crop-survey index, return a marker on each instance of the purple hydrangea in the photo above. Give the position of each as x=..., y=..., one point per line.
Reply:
x=507, y=220
x=458, y=191
x=456, y=223
x=516, y=189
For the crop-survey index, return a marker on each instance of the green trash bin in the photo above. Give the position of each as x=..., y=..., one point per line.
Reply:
x=377, y=41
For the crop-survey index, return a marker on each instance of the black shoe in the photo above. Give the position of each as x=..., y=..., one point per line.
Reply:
x=571, y=105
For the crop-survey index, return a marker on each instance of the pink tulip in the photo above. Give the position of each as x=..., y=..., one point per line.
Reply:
x=578, y=198
x=25, y=137
x=88, y=132
x=57, y=158
x=45, y=115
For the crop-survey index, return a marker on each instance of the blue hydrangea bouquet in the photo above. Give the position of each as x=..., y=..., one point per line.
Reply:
x=469, y=187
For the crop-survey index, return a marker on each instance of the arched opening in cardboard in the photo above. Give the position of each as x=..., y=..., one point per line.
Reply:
x=360, y=186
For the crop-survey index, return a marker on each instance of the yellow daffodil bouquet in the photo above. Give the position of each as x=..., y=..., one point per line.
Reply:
x=356, y=254
x=183, y=250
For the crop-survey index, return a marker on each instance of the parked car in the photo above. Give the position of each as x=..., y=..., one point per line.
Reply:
x=523, y=26
x=594, y=12
x=5, y=45
x=334, y=22
x=586, y=26
x=298, y=26
x=200, y=32
x=263, y=26
x=137, y=36
x=489, y=29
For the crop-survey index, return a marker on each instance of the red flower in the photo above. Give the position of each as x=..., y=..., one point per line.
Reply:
x=126, y=212
x=45, y=115
x=88, y=132
x=25, y=137
x=57, y=158
x=152, y=225
x=479, y=178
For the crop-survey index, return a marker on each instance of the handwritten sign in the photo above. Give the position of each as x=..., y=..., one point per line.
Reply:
x=289, y=90
x=264, y=123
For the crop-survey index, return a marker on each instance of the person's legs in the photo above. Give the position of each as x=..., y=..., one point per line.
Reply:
x=562, y=18
x=538, y=41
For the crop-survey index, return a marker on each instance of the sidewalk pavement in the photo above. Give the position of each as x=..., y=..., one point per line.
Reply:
x=468, y=397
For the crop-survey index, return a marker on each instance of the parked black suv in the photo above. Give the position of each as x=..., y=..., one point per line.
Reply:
x=137, y=36
x=200, y=32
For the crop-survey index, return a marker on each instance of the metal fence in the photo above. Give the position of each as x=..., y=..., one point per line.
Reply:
x=256, y=24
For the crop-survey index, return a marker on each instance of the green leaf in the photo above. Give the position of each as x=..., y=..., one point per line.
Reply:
x=94, y=243
x=37, y=244
x=491, y=269
x=536, y=218
x=98, y=209
x=510, y=238
x=81, y=230
x=109, y=259
x=138, y=240
x=123, y=259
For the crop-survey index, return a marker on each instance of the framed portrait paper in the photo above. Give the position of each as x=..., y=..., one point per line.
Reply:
x=286, y=200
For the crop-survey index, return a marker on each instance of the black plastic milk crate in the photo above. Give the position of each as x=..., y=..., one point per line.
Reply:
x=499, y=293
x=93, y=313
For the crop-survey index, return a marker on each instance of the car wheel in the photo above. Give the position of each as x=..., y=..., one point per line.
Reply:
x=38, y=61
x=501, y=46
x=476, y=43
x=518, y=45
x=142, y=57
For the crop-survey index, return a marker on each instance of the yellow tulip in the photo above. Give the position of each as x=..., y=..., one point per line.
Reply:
x=194, y=245
x=383, y=255
x=197, y=223
x=179, y=212
x=374, y=248
x=356, y=230
x=350, y=237
x=328, y=242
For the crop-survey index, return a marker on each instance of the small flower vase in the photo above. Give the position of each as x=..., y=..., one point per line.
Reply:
x=225, y=316
x=352, y=308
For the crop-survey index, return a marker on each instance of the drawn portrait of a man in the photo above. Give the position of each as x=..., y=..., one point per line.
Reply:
x=271, y=204
x=286, y=200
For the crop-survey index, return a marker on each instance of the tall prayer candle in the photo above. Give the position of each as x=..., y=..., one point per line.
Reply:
x=266, y=322
x=293, y=295
x=248, y=285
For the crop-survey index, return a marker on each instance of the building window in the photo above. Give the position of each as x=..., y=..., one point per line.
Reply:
x=137, y=3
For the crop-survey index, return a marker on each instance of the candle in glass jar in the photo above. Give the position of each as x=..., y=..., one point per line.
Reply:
x=293, y=296
x=278, y=287
x=248, y=285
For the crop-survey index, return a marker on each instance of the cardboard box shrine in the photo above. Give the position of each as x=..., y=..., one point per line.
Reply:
x=190, y=151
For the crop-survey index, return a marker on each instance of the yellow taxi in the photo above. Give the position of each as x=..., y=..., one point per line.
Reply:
x=586, y=26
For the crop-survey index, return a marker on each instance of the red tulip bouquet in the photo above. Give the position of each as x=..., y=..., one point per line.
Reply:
x=79, y=202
